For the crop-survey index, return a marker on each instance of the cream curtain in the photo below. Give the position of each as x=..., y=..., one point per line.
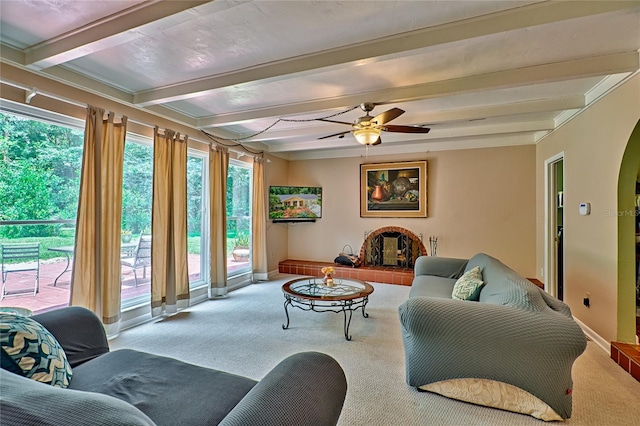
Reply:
x=169, y=273
x=259, y=223
x=95, y=277
x=218, y=168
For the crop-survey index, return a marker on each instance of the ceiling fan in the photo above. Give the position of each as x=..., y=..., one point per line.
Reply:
x=367, y=129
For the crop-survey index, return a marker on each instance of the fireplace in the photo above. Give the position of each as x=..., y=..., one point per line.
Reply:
x=392, y=247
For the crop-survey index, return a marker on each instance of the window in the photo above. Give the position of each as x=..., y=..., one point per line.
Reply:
x=196, y=238
x=239, y=184
x=40, y=165
x=137, y=187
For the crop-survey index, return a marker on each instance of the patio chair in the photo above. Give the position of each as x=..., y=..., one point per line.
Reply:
x=20, y=258
x=141, y=257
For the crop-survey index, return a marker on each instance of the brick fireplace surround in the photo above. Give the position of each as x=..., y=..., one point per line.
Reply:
x=366, y=272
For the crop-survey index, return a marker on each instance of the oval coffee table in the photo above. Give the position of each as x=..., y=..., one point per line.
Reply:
x=311, y=294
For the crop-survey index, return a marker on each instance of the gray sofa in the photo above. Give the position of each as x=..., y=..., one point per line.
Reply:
x=515, y=338
x=127, y=387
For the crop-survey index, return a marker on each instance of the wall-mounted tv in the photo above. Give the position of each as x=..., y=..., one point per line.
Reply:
x=295, y=203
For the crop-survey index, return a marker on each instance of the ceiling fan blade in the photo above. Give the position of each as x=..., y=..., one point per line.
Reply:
x=378, y=142
x=387, y=116
x=335, y=134
x=334, y=121
x=406, y=129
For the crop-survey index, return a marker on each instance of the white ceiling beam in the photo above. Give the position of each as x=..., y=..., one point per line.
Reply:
x=508, y=20
x=536, y=74
x=434, y=117
x=111, y=31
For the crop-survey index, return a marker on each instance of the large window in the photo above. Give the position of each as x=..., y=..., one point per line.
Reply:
x=40, y=167
x=39, y=183
x=238, y=218
x=137, y=187
x=136, y=220
x=196, y=201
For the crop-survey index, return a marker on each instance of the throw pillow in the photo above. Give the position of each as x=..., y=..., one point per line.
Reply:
x=28, y=349
x=468, y=285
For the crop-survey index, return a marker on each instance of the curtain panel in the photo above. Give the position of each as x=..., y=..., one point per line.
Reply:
x=169, y=266
x=95, y=277
x=218, y=170
x=259, y=222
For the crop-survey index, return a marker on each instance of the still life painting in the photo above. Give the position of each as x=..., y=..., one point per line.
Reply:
x=393, y=189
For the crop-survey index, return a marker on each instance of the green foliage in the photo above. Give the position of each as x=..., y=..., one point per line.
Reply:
x=194, y=195
x=274, y=203
x=241, y=240
x=137, y=183
x=40, y=170
x=39, y=174
x=238, y=200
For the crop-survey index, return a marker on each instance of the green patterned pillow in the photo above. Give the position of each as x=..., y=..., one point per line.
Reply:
x=28, y=349
x=468, y=286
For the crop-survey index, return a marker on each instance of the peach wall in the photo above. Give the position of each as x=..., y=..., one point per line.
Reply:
x=479, y=200
x=593, y=143
x=276, y=173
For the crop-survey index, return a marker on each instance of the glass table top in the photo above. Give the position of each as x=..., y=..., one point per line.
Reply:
x=314, y=288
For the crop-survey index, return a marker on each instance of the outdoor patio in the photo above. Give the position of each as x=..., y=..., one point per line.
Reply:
x=52, y=297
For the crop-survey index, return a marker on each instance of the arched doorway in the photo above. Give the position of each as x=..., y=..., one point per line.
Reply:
x=627, y=274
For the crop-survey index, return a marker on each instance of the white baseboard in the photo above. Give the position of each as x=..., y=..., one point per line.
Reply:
x=595, y=337
x=260, y=276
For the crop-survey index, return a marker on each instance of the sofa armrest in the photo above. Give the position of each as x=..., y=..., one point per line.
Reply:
x=307, y=388
x=533, y=350
x=79, y=332
x=29, y=402
x=445, y=267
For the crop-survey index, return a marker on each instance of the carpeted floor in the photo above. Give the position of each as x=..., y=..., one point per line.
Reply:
x=243, y=334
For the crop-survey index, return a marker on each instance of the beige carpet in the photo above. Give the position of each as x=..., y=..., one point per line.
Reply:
x=243, y=334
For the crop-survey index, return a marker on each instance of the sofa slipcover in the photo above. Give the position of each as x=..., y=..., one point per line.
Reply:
x=127, y=387
x=516, y=334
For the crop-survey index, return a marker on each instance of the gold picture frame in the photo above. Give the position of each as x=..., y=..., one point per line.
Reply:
x=393, y=189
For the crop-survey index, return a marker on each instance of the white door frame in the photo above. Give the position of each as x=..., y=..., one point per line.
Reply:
x=551, y=224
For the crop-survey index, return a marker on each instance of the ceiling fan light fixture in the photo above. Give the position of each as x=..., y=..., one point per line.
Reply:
x=367, y=136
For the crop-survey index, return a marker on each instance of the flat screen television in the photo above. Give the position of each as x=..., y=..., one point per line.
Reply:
x=295, y=203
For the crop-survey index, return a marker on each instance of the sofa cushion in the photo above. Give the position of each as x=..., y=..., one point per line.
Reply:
x=28, y=349
x=169, y=391
x=468, y=285
x=431, y=286
x=491, y=393
x=503, y=286
x=27, y=402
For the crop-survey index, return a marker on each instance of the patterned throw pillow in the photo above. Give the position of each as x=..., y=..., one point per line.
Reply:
x=468, y=286
x=28, y=349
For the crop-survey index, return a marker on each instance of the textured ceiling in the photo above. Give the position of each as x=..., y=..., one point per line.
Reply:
x=478, y=73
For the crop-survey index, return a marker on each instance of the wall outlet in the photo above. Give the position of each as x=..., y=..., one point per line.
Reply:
x=541, y=272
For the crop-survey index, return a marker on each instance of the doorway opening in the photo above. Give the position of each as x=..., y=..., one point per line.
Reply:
x=554, y=226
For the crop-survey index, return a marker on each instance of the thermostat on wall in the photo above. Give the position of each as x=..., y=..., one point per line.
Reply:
x=585, y=209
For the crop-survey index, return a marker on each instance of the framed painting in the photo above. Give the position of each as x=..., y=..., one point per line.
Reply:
x=393, y=189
